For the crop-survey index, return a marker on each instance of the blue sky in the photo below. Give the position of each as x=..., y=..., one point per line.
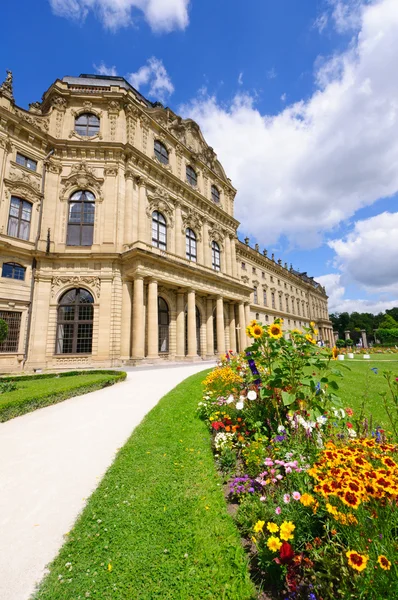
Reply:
x=299, y=100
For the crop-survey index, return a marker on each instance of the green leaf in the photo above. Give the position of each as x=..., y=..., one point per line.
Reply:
x=288, y=398
x=334, y=385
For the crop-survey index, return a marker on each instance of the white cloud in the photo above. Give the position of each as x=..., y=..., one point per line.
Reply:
x=102, y=69
x=321, y=22
x=161, y=15
x=337, y=303
x=317, y=162
x=154, y=76
x=240, y=78
x=283, y=97
x=271, y=74
x=368, y=255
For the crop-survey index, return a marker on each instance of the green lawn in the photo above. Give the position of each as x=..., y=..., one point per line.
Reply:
x=361, y=383
x=38, y=391
x=157, y=526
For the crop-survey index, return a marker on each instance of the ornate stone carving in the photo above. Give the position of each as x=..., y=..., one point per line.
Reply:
x=192, y=221
x=35, y=107
x=113, y=113
x=54, y=167
x=145, y=124
x=216, y=234
x=6, y=144
x=159, y=200
x=36, y=121
x=59, y=103
x=6, y=87
x=132, y=114
x=111, y=170
x=77, y=280
x=24, y=185
x=81, y=177
x=245, y=279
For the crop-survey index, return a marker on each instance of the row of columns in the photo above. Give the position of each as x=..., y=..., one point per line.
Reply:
x=140, y=316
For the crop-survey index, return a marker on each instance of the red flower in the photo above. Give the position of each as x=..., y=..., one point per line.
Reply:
x=286, y=553
x=217, y=425
x=349, y=425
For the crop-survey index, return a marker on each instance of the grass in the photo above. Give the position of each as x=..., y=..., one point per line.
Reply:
x=360, y=384
x=157, y=526
x=37, y=391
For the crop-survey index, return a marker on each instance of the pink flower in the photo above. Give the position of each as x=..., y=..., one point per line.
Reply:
x=278, y=510
x=279, y=476
x=296, y=495
x=288, y=469
x=286, y=498
x=262, y=498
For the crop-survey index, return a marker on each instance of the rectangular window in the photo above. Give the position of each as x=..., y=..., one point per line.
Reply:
x=255, y=296
x=254, y=270
x=265, y=298
x=271, y=279
x=280, y=303
x=273, y=299
x=263, y=275
x=19, y=218
x=243, y=266
x=13, y=320
x=29, y=163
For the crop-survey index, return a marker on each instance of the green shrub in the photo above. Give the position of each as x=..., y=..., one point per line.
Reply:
x=340, y=343
x=388, y=336
x=349, y=342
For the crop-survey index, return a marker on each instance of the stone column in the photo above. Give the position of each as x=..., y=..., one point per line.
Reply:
x=347, y=334
x=209, y=328
x=232, y=328
x=152, y=320
x=138, y=319
x=128, y=237
x=127, y=305
x=220, y=325
x=234, y=264
x=180, y=326
x=242, y=327
x=228, y=266
x=335, y=337
x=192, y=342
x=364, y=338
x=247, y=319
x=178, y=232
x=142, y=216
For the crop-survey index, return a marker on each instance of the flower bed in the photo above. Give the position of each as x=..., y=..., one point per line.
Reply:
x=314, y=492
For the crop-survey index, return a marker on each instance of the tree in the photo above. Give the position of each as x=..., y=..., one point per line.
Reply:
x=3, y=330
x=388, y=323
x=393, y=312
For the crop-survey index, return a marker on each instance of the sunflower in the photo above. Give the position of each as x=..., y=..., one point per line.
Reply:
x=249, y=331
x=357, y=561
x=384, y=562
x=257, y=331
x=310, y=339
x=275, y=331
x=274, y=543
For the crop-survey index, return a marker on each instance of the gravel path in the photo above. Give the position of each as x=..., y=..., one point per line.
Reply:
x=52, y=459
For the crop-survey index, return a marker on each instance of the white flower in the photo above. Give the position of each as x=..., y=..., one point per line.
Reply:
x=352, y=433
x=230, y=399
x=251, y=395
x=281, y=429
x=242, y=398
x=239, y=405
x=321, y=420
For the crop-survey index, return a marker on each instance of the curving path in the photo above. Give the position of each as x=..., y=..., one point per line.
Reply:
x=52, y=459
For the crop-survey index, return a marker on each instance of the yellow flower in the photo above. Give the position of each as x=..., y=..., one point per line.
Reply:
x=274, y=543
x=310, y=339
x=312, y=324
x=253, y=323
x=275, y=331
x=384, y=562
x=315, y=331
x=286, y=530
x=257, y=331
x=258, y=526
x=272, y=527
x=109, y=567
x=331, y=509
x=307, y=499
x=357, y=561
x=249, y=331
x=254, y=540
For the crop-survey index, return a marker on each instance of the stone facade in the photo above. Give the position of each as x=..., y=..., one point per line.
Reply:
x=118, y=241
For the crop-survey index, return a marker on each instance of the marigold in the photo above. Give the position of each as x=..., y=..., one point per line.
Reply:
x=357, y=561
x=274, y=543
x=307, y=499
x=286, y=530
x=258, y=526
x=275, y=331
x=272, y=527
x=384, y=562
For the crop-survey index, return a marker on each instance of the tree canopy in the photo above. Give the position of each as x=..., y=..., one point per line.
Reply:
x=356, y=321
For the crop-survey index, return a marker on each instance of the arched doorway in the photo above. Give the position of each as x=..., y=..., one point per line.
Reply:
x=163, y=325
x=198, y=324
x=75, y=322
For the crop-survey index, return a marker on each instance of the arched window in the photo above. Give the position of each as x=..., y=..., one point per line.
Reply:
x=159, y=239
x=190, y=245
x=163, y=325
x=215, y=256
x=13, y=271
x=192, y=178
x=215, y=194
x=161, y=152
x=81, y=219
x=19, y=218
x=87, y=124
x=75, y=322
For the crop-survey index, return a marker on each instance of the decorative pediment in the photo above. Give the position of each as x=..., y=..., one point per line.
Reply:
x=216, y=234
x=245, y=279
x=159, y=200
x=23, y=185
x=256, y=283
x=192, y=221
x=35, y=120
x=64, y=281
x=81, y=178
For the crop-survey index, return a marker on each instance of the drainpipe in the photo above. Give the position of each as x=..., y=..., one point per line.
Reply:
x=34, y=261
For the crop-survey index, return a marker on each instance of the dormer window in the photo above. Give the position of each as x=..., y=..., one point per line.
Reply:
x=192, y=177
x=87, y=124
x=161, y=153
x=215, y=194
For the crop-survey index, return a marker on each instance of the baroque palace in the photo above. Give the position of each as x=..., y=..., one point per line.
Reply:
x=118, y=242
